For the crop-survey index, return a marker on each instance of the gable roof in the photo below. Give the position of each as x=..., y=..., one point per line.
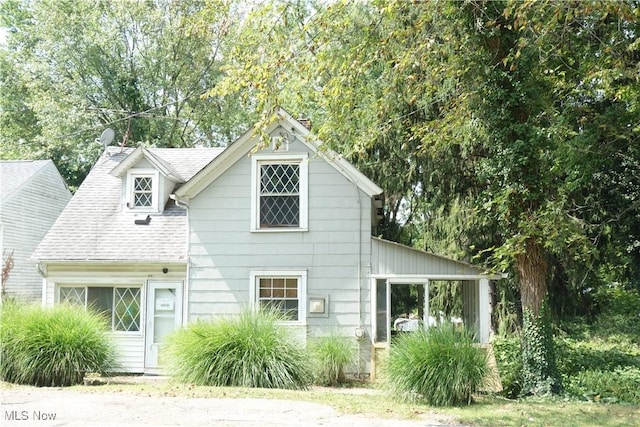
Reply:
x=15, y=173
x=138, y=154
x=94, y=227
x=247, y=142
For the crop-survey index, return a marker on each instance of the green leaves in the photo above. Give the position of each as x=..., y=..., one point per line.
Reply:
x=71, y=69
x=440, y=366
x=53, y=347
x=249, y=350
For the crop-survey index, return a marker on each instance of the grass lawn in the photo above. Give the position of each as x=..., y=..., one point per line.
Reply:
x=487, y=411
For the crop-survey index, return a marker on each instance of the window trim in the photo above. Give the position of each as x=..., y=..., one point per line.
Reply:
x=302, y=160
x=301, y=275
x=113, y=286
x=132, y=174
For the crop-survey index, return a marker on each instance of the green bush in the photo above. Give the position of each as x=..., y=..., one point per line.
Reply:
x=620, y=315
x=508, y=355
x=441, y=366
x=53, y=346
x=593, y=369
x=249, y=350
x=576, y=356
x=619, y=385
x=331, y=354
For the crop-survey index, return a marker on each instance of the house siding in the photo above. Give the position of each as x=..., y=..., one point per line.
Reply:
x=26, y=217
x=223, y=250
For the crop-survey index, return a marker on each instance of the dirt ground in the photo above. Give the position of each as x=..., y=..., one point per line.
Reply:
x=23, y=406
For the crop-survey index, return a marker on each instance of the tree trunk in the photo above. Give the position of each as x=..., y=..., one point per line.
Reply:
x=532, y=274
x=539, y=373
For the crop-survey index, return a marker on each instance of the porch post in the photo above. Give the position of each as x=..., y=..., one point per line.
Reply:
x=484, y=311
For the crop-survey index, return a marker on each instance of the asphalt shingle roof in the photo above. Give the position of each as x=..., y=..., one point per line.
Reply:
x=95, y=227
x=15, y=173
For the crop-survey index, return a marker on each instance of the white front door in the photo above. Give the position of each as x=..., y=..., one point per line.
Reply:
x=164, y=315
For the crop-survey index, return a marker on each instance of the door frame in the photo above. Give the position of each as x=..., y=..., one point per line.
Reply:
x=388, y=282
x=151, y=349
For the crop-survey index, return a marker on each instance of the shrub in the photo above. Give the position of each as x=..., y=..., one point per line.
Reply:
x=591, y=369
x=593, y=355
x=249, y=350
x=53, y=346
x=620, y=314
x=331, y=354
x=508, y=355
x=619, y=385
x=441, y=366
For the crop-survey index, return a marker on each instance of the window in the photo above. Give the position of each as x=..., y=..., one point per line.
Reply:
x=279, y=193
x=281, y=291
x=121, y=305
x=142, y=193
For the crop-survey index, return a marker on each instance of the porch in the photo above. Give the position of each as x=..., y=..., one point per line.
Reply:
x=411, y=288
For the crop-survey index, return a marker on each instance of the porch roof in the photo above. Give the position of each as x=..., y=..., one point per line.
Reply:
x=394, y=259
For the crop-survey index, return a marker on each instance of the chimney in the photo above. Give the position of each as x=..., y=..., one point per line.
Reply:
x=305, y=122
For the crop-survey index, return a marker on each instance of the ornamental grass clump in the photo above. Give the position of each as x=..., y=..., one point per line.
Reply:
x=53, y=346
x=331, y=355
x=249, y=350
x=440, y=366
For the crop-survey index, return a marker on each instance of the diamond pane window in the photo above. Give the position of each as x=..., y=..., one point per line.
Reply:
x=280, y=294
x=142, y=191
x=73, y=296
x=279, y=195
x=126, y=313
x=119, y=306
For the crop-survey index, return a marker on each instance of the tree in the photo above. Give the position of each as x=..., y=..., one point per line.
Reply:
x=72, y=68
x=504, y=106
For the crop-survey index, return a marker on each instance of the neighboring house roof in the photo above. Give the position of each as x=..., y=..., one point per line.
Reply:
x=15, y=173
x=33, y=194
x=95, y=227
x=247, y=142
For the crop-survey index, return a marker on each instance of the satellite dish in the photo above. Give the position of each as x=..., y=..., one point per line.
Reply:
x=107, y=137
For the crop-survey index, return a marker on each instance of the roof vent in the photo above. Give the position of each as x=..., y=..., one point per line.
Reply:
x=139, y=220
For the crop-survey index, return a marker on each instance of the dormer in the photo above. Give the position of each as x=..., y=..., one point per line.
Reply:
x=147, y=181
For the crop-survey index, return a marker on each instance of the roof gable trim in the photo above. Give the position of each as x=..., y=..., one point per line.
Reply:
x=158, y=163
x=244, y=145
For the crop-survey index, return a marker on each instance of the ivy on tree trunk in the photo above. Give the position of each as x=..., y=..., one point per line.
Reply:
x=539, y=373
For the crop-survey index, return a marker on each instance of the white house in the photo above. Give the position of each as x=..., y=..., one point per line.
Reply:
x=161, y=237
x=32, y=195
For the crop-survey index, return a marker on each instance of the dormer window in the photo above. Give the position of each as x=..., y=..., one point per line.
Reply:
x=142, y=193
x=279, y=193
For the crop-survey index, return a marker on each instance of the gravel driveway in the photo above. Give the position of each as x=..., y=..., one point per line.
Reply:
x=31, y=406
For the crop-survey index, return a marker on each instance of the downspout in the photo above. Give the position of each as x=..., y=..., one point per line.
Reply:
x=42, y=269
x=185, y=294
x=359, y=332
